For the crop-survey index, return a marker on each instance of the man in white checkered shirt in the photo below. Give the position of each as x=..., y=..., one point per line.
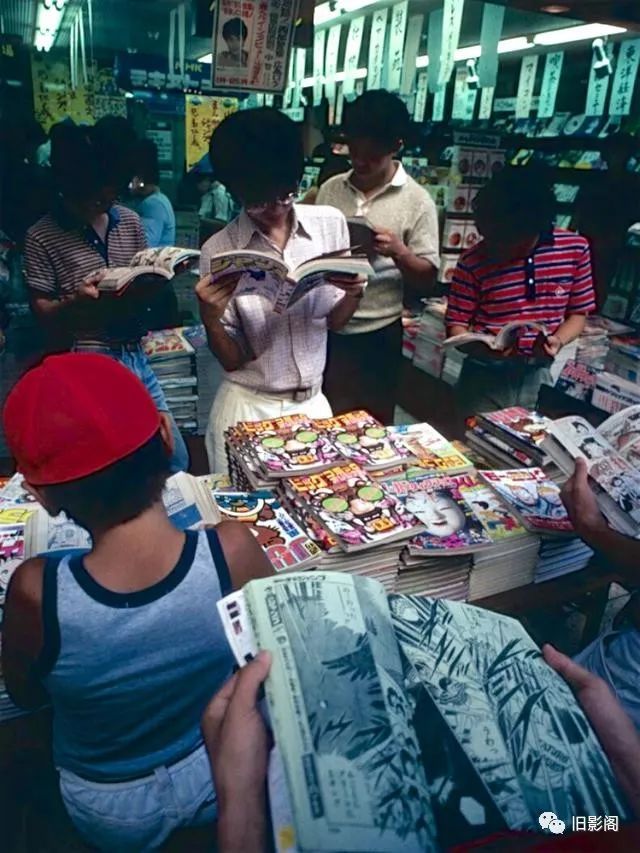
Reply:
x=274, y=363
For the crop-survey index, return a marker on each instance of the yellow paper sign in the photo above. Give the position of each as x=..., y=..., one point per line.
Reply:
x=202, y=115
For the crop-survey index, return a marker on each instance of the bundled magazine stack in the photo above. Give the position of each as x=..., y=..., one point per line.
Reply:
x=509, y=437
x=209, y=373
x=171, y=357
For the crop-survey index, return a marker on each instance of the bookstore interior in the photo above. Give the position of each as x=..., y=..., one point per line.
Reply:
x=319, y=373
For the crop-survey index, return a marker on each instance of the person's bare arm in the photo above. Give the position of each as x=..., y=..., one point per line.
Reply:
x=344, y=310
x=418, y=272
x=456, y=329
x=568, y=331
x=22, y=635
x=213, y=298
x=69, y=311
x=245, y=558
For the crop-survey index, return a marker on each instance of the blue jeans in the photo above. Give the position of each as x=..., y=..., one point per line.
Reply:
x=138, y=363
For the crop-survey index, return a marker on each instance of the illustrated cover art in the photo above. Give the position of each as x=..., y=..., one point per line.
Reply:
x=534, y=497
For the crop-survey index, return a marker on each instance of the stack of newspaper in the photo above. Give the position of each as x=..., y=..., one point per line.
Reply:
x=172, y=359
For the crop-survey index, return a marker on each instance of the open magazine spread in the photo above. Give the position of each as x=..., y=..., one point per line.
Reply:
x=282, y=539
x=166, y=262
x=533, y=498
x=505, y=338
x=355, y=509
x=622, y=431
x=402, y=720
x=616, y=480
x=265, y=276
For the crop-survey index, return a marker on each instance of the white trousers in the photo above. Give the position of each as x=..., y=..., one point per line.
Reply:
x=234, y=403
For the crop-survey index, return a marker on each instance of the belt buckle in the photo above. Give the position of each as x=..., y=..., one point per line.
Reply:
x=301, y=395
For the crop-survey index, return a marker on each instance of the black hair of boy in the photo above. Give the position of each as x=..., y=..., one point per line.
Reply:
x=118, y=493
x=258, y=155
x=519, y=199
x=235, y=28
x=380, y=116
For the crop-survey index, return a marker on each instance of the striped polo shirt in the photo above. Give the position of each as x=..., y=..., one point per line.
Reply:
x=547, y=286
x=61, y=252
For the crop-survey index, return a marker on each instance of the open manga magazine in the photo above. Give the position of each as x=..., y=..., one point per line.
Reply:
x=505, y=338
x=266, y=276
x=165, y=262
x=611, y=454
x=409, y=724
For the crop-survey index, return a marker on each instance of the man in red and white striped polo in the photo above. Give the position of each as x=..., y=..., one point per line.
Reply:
x=522, y=269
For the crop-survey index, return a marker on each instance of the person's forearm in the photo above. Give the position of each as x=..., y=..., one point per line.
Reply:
x=622, y=551
x=68, y=312
x=342, y=312
x=419, y=273
x=456, y=329
x=242, y=826
x=572, y=328
x=228, y=352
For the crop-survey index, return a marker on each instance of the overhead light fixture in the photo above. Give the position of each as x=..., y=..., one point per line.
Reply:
x=207, y=59
x=358, y=74
x=474, y=50
x=555, y=9
x=583, y=32
x=48, y=19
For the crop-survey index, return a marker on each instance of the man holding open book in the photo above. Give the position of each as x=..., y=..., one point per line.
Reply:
x=274, y=361
x=524, y=270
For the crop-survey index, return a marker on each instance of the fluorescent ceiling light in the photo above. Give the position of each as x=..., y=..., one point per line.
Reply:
x=207, y=58
x=474, y=50
x=48, y=19
x=340, y=77
x=584, y=32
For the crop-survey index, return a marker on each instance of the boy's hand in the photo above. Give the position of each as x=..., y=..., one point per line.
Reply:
x=388, y=244
x=215, y=294
x=352, y=285
x=581, y=504
x=88, y=289
x=547, y=347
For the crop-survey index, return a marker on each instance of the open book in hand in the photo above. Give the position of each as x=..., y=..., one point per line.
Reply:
x=611, y=462
x=409, y=724
x=164, y=262
x=504, y=339
x=266, y=276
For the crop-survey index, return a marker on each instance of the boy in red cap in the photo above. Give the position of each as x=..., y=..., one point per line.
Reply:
x=125, y=641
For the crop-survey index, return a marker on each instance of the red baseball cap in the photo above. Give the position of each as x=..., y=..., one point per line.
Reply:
x=75, y=414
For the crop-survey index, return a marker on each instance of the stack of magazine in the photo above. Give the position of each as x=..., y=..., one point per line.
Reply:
x=209, y=373
x=510, y=437
x=172, y=359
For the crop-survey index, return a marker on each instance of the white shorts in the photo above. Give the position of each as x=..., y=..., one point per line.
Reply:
x=235, y=403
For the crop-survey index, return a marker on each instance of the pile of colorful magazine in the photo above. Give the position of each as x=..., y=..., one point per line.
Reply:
x=171, y=357
x=510, y=438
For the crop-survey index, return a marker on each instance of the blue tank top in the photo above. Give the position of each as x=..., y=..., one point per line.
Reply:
x=129, y=674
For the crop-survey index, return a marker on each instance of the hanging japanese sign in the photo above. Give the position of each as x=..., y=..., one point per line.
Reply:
x=624, y=80
x=337, y=117
x=434, y=48
x=139, y=71
x=352, y=54
x=438, y=104
x=252, y=44
x=202, y=115
x=492, y=20
x=451, y=21
x=376, y=48
x=331, y=63
x=598, y=89
x=319, y=44
x=287, y=95
x=412, y=45
x=550, y=84
x=53, y=97
x=486, y=103
x=464, y=97
x=421, y=97
x=526, y=85
x=395, y=51
x=300, y=60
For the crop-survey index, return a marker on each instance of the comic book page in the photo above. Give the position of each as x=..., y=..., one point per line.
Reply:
x=499, y=729
x=336, y=699
x=533, y=498
x=622, y=431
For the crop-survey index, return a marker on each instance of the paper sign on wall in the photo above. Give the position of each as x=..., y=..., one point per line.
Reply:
x=331, y=62
x=526, y=84
x=550, y=84
x=395, y=51
x=464, y=97
x=421, y=98
x=412, y=44
x=451, y=21
x=298, y=74
x=319, y=43
x=434, y=49
x=352, y=55
x=492, y=20
x=625, y=78
x=598, y=89
x=486, y=103
x=438, y=104
x=376, y=48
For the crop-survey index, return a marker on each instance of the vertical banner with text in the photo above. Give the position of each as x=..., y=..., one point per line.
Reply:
x=376, y=48
x=550, y=84
x=451, y=22
x=492, y=21
x=395, y=51
x=331, y=64
x=624, y=80
x=421, y=98
x=434, y=49
x=412, y=45
x=526, y=85
x=486, y=103
x=598, y=88
x=352, y=55
x=319, y=44
x=438, y=104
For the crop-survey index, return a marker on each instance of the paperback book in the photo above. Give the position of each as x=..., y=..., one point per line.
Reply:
x=430, y=450
x=520, y=428
x=533, y=498
x=149, y=264
x=504, y=339
x=166, y=344
x=259, y=274
x=443, y=719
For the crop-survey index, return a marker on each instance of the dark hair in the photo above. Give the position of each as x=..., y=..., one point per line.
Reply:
x=116, y=494
x=377, y=115
x=146, y=165
x=520, y=199
x=234, y=27
x=84, y=160
x=257, y=154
